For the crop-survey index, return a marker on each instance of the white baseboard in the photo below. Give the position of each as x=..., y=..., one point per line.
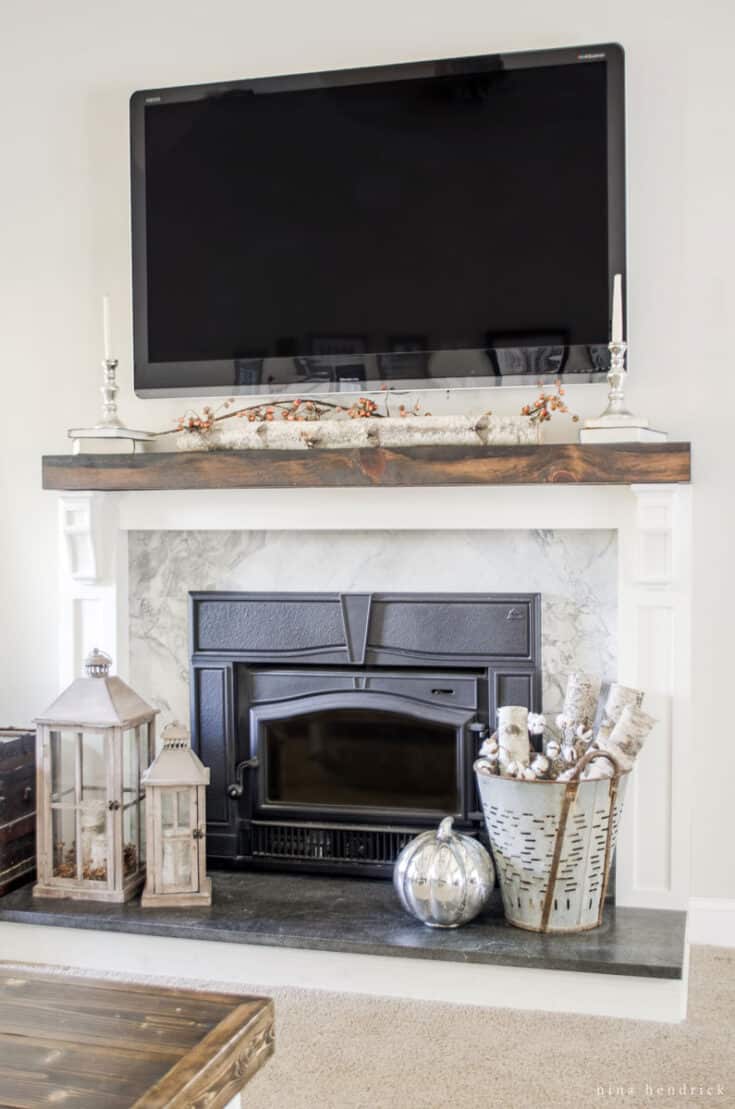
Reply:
x=231, y=965
x=711, y=921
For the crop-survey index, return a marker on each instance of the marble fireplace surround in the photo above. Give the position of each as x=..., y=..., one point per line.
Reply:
x=574, y=571
x=428, y=539
x=614, y=562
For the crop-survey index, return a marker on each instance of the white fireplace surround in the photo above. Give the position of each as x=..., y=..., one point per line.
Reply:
x=653, y=525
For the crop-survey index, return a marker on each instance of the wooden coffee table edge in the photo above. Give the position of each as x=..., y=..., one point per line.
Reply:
x=81, y=976
x=213, y=1071
x=218, y=1068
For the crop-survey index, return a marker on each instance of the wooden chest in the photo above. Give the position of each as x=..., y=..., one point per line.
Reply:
x=17, y=807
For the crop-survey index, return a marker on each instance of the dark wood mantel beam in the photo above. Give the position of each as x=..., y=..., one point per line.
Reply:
x=555, y=464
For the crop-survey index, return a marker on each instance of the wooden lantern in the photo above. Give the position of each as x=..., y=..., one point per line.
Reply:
x=175, y=812
x=92, y=745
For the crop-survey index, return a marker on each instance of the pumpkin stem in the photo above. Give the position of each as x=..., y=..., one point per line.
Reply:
x=444, y=831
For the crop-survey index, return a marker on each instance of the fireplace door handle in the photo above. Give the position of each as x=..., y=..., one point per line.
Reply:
x=237, y=788
x=480, y=731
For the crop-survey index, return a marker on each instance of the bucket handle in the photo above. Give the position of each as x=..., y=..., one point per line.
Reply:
x=586, y=759
x=589, y=757
x=572, y=786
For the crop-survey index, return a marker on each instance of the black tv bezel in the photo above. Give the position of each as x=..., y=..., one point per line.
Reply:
x=157, y=379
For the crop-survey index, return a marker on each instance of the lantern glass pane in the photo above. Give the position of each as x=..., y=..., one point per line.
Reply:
x=93, y=767
x=141, y=834
x=93, y=825
x=145, y=745
x=131, y=765
x=64, y=746
x=145, y=758
x=64, y=843
x=183, y=806
x=177, y=862
x=176, y=810
x=131, y=839
x=168, y=820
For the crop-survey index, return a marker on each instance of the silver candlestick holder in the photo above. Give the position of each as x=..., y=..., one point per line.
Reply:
x=110, y=428
x=616, y=414
x=109, y=390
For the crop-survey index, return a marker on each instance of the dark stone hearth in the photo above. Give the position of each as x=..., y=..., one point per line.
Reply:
x=363, y=917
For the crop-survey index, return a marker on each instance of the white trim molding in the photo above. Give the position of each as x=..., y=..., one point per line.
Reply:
x=239, y=965
x=93, y=597
x=653, y=525
x=711, y=921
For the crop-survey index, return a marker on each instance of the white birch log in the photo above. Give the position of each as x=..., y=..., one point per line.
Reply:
x=628, y=736
x=340, y=431
x=513, y=738
x=619, y=696
x=580, y=699
x=333, y=434
x=407, y=431
x=508, y=430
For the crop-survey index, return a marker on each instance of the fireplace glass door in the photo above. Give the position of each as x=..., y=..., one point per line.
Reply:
x=361, y=760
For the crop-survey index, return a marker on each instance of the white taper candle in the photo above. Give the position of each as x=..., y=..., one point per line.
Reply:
x=107, y=327
x=617, y=309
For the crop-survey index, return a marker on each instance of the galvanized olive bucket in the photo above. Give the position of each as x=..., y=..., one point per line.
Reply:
x=553, y=844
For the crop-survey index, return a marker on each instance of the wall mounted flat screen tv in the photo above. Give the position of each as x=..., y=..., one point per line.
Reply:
x=443, y=223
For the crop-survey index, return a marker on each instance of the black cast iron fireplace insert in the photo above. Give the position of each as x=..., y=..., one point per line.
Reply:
x=337, y=726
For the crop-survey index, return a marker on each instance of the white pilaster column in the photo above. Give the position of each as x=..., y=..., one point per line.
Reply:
x=93, y=586
x=655, y=655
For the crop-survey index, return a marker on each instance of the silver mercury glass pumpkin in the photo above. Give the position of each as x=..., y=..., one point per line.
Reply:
x=444, y=878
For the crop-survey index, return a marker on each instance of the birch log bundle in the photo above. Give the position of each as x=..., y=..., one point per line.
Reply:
x=623, y=730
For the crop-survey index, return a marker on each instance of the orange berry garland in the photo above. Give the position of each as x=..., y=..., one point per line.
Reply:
x=299, y=410
x=545, y=404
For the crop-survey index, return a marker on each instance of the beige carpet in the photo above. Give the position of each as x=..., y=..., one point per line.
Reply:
x=342, y=1051
x=345, y=1052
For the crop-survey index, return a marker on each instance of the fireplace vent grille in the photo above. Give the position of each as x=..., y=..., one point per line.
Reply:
x=332, y=843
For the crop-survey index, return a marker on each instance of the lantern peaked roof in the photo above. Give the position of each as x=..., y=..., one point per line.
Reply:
x=176, y=764
x=98, y=700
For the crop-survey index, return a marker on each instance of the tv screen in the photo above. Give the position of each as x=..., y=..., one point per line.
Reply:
x=437, y=223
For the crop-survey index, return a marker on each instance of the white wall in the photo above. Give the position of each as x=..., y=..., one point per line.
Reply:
x=66, y=71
